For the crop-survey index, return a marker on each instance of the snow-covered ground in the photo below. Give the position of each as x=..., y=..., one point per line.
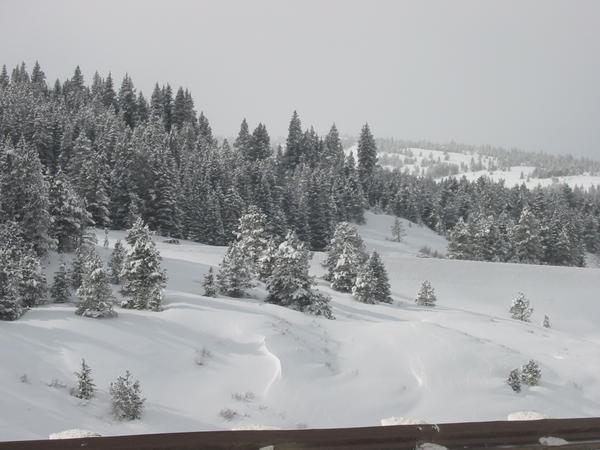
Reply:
x=516, y=175
x=222, y=363
x=519, y=174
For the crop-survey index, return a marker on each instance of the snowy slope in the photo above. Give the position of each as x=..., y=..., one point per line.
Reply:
x=516, y=175
x=276, y=367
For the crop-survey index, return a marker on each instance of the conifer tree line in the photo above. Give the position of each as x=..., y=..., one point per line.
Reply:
x=74, y=155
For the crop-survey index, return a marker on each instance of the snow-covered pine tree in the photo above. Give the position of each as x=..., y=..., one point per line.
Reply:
x=290, y=285
x=526, y=240
x=460, y=241
x=345, y=239
x=372, y=284
x=252, y=236
x=546, y=322
x=531, y=373
x=520, y=309
x=267, y=260
x=142, y=277
x=346, y=270
x=235, y=275
x=69, y=216
x=24, y=194
x=116, y=262
x=398, y=231
x=85, y=384
x=60, y=292
x=514, y=380
x=33, y=288
x=95, y=292
x=426, y=295
x=367, y=156
x=11, y=306
x=78, y=265
x=365, y=285
x=126, y=398
x=209, y=284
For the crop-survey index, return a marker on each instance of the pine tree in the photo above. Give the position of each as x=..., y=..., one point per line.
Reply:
x=11, y=306
x=260, y=144
x=209, y=284
x=78, y=265
x=243, y=142
x=546, y=322
x=293, y=148
x=346, y=237
x=520, y=309
x=95, y=292
x=235, y=274
x=252, y=236
x=526, y=240
x=426, y=295
x=69, y=215
x=514, y=380
x=109, y=97
x=367, y=157
x=398, y=231
x=60, y=292
x=32, y=281
x=460, y=241
x=116, y=262
x=372, y=284
x=531, y=373
x=267, y=260
x=346, y=268
x=85, y=384
x=143, y=278
x=290, y=285
x=126, y=399
x=24, y=194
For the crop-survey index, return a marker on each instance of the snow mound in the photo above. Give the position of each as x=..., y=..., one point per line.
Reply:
x=252, y=427
x=526, y=415
x=552, y=441
x=431, y=446
x=75, y=433
x=388, y=421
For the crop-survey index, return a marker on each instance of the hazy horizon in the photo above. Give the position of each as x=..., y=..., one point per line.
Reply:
x=511, y=74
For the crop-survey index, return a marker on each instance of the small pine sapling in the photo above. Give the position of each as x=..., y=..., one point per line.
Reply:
x=426, y=295
x=60, y=292
x=520, y=309
x=126, y=399
x=546, y=322
x=398, y=231
x=85, y=385
x=531, y=373
x=209, y=284
x=514, y=380
x=116, y=262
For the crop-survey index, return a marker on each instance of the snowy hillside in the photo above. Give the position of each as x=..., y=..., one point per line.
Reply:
x=225, y=363
x=419, y=160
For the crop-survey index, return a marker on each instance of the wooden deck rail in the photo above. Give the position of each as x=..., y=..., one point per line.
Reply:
x=580, y=433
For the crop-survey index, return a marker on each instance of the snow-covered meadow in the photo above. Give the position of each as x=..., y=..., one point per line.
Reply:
x=222, y=363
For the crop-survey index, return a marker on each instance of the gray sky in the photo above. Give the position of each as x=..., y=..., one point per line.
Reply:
x=512, y=73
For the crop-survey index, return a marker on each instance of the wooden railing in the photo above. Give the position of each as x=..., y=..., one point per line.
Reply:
x=580, y=434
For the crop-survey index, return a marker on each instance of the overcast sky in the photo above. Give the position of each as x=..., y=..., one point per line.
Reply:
x=512, y=73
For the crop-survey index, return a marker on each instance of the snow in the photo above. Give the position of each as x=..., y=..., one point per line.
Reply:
x=514, y=176
x=270, y=365
x=389, y=421
x=526, y=415
x=552, y=441
x=74, y=434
